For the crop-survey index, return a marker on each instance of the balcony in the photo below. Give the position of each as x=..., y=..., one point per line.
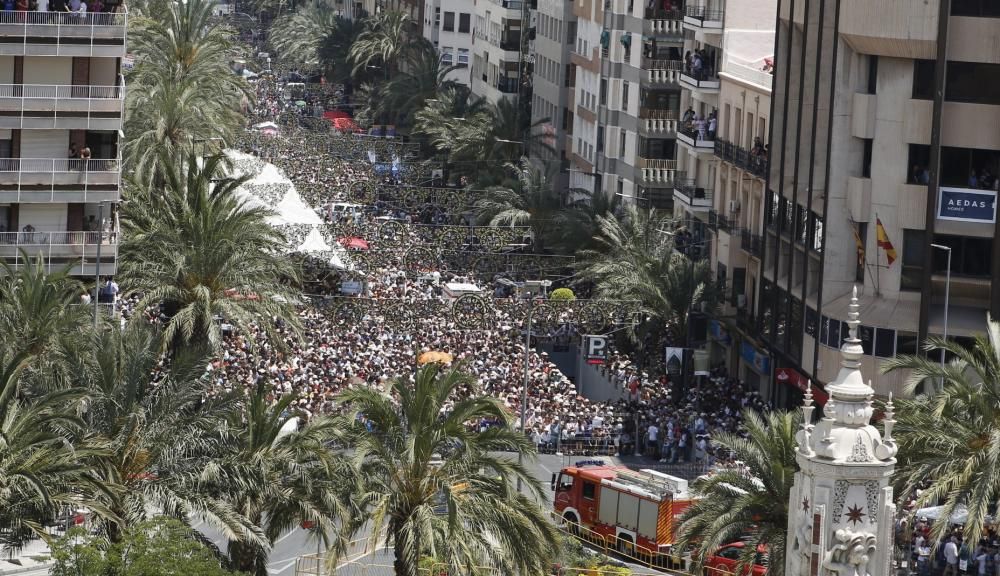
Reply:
x=659, y=22
x=693, y=195
x=59, y=180
x=703, y=19
x=700, y=80
x=753, y=161
x=61, y=248
x=662, y=71
x=38, y=106
x=658, y=171
x=507, y=85
x=696, y=141
x=759, y=73
x=752, y=244
x=717, y=221
x=658, y=128
x=62, y=34
x=658, y=113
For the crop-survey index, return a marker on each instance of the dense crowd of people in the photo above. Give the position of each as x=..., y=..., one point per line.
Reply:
x=371, y=345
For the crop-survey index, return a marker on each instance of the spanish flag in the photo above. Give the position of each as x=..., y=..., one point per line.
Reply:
x=859, y=244
x=884, y=243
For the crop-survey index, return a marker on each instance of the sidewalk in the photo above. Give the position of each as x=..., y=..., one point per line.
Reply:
x=32, y=559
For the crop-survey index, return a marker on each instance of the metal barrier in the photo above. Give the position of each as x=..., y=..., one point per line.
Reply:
x=605, y=446
x=630, y=551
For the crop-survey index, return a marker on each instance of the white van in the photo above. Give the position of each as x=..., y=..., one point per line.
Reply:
x=336, y=211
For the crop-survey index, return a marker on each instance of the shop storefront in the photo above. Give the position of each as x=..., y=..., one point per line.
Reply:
x=791, y=387
x=755, y=369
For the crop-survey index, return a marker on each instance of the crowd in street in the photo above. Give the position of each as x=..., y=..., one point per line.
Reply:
x=336, y=351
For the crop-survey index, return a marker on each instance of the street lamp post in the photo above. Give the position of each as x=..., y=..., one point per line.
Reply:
x=97, y=271
x=947, y=296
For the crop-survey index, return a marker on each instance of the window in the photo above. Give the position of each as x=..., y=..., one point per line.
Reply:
x=463, y=57
x=604, y=91
x=449, y=22
x=923, y=79
x=885, y=343
x=866, y=158
x=565, y=483
x=446, y=56
x=771, y=215
x=437, y=16
x=729, y=553
x=812, y=319
x=976, y=8
x=913, y=260
x=872, y=73
x=829, y=332
x=621, y=146
x=973, y=82
x=867, y=336
x=906, y=343
x=600, y=138
x=919, y=163
x=571, y=32
x=959, y=164
x=625, y=96
x=589, y=490
x=464, y=23
x=859, y=268
x=969, y=256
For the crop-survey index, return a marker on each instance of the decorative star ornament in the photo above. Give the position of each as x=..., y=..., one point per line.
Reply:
x=805, y=504
x=855, y=514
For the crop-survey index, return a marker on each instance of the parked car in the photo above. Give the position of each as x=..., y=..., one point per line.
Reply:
x=725, y=560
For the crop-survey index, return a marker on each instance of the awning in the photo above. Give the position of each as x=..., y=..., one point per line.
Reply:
x=353, y=243
x=791, y=377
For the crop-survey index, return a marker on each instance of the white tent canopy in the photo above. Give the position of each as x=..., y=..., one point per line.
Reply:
x=959, y=516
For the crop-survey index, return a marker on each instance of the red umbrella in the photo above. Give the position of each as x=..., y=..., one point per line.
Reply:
x=354, y=243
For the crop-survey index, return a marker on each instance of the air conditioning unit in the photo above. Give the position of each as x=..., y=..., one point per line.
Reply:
x=734, y=206
x=741, y=301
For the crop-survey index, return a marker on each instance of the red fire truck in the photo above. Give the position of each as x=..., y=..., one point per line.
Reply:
x=635, y=513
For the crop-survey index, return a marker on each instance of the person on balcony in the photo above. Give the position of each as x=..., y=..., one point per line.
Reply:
x=713, y=124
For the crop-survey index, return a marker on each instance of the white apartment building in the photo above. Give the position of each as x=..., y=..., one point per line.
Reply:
x=448, y=25
x=497, y=46
x=552, y=78
x=61, y=90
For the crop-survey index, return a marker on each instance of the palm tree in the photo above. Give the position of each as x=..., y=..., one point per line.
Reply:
x=949, y=437
x=387, y=37
x=749, y=502
x=43, y=450
x=316, y=37
x=635, y=260
x=163, y=444
x=199, y=249
x=578, y=224
x=44, y=465
x=420, y=79
x=532, y=203
x=295, y=476
x=182, y=94
x=435, y=483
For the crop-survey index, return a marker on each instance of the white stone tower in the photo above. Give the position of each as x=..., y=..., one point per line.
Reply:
x=841, y=513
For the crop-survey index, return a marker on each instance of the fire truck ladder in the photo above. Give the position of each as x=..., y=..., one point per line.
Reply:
x=652, y=481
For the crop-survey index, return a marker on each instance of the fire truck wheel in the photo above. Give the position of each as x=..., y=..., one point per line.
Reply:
x=574, y=524
x=624, y=546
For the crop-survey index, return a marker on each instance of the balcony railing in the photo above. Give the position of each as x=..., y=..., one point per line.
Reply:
x=658, y=127
x=43, y=27
x=693, y=195
x=507, y=85
x=664, y=26
x=696, y=139
x=748, y=71
x=57, y=238
x=659, y=113
x=752, y=244
x=659, y=172
x=700, y=80
x=718, y=221
x=62, y=92
x=31, y=173
x=703, y=17
x=662, y=71
x=753, y=161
